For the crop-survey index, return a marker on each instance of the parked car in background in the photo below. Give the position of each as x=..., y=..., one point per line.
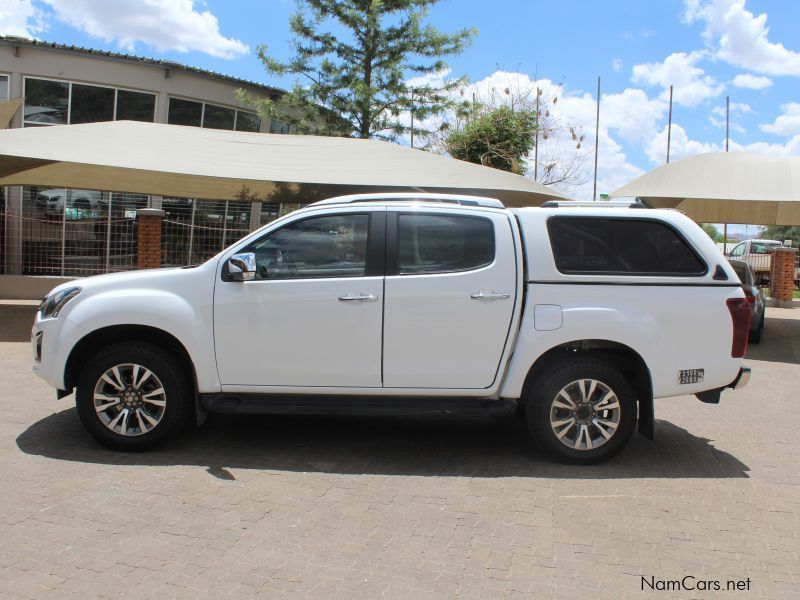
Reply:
x=755, y=297
x=758, y=254
x=80, y=204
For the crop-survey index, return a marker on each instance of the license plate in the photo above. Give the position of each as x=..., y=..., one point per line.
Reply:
x=691, y=376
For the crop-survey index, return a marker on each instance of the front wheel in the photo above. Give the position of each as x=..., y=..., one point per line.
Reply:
x=133, y=396
x=582, y=411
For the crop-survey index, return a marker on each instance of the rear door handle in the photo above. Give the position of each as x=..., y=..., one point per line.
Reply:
x=490, y=296
x=358, y=298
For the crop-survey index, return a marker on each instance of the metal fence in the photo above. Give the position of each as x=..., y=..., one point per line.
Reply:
x=73, y=233
x=68, y=232
x=195, y=230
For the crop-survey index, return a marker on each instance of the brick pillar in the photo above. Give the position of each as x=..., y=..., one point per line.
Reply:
x=783, y=270
x=149, y=248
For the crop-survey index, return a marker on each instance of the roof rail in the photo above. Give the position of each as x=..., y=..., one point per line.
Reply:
x=414, y=197
x=598, y=204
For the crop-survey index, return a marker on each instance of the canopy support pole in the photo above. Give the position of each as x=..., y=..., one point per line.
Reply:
x=596, y=140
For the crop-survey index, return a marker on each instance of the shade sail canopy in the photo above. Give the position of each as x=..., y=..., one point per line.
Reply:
x=190, y=162
x=7, y=110
x=725, y=187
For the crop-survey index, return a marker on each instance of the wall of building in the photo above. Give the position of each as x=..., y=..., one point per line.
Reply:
x=47, y=63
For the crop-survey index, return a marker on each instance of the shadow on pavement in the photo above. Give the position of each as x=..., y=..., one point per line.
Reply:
x=780, y=342
x=16, y=321
x=453, y=447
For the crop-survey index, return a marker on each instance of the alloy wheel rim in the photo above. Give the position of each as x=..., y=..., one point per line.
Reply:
x=129, y=399
x=585, y=414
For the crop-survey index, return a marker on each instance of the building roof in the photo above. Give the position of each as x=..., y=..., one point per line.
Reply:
x=10, y=40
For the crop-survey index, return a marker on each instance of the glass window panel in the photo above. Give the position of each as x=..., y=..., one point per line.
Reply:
x=135, y=106
x=46, y=101
x=276, y=126
x=184, y=112
x=218, y=117
x=246, y=121
x=333, y=246
x=443, y=244
x=91, y=104
x=621, y=247
x=3, y=88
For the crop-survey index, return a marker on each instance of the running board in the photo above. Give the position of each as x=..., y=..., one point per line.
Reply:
x=270, y=404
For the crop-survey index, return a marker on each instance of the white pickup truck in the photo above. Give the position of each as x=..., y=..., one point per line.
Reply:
x=574, y=316
x=758, y=254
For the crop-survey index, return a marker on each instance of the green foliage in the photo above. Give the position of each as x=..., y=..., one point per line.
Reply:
x=781, y=233
x=500, y=137
x=354, y=82
x=712, y=232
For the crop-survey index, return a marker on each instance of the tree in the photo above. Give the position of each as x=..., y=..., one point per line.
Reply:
x=712, y=232
x=781, y=233
x=355, y=83
x=499, y=138
x=514, y=129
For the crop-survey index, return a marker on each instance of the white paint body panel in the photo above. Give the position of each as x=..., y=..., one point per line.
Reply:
x=177, y=301
x=296, y=332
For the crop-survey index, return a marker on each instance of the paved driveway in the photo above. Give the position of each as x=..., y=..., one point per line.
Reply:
x=369, y=508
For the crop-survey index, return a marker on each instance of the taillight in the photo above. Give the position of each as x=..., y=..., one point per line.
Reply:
x=740, y=315
x=749, y=295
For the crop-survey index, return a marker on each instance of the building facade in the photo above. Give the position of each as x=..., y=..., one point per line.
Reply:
x=66, y=233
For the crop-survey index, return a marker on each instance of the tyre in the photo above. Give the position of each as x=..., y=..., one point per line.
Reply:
x=582, y=411
x=133, y=396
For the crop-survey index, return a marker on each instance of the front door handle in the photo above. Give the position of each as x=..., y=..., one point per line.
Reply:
x=358, y=298
x=490, y=296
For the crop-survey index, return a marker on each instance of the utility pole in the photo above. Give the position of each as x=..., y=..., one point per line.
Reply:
x=596, y=140
x=536, y=139
x=412, y=117
x=727, y=119
x=669, y=123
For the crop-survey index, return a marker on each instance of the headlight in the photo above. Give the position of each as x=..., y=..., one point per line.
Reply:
x=53, y=303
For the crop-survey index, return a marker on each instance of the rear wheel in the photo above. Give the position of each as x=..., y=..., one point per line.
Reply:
x=582, y=411
x=133, y=396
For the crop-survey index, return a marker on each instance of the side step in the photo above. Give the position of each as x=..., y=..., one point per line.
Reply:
x=269, y=404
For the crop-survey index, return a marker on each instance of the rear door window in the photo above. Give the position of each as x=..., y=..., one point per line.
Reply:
x=443, y=243
x=598, y=245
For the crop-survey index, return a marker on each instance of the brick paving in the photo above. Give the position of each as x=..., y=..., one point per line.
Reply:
x=401, y=508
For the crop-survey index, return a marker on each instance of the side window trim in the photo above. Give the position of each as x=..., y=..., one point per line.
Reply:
x=669, y=226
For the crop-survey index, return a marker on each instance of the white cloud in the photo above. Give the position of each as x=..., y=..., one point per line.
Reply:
x=788, y=123
x=435, y=79
x=617, y=64
x=717, y=117
x=20, y=18
x=740, y=108
x=681, y=146
x=161, y=24
x=741, y=38
x=751, y=82
x=690, y=83
x=790, y=148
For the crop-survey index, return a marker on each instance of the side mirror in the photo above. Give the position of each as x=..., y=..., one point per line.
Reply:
x=242, y=267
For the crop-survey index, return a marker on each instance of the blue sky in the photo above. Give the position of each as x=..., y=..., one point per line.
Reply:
x=708, y=49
